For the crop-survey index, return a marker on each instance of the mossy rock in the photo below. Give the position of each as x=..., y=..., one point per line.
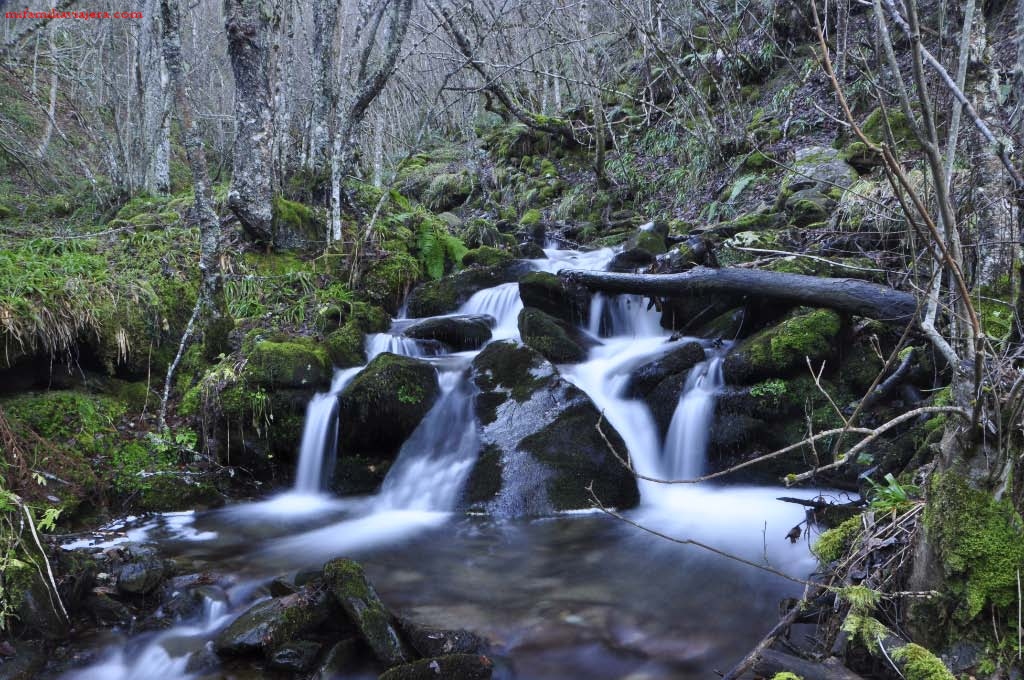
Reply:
x=449, y=666
x=444, y=296
x=485, y=256
x=755, y=221
x=172, y=491
x=780, y=350
x=809, y=206
x=531, y=218
x=862, y=157
x=875, y=127
x=460, y=333
x=297, y=362
x=648, y=239
x=294, y=223
x=271, y=623
x=535, y=458
x=553, y=295
x=758, y=160
x=346, y=345
x=357, y=475
x=555, y=340
x=347, y=582
x=382, y=406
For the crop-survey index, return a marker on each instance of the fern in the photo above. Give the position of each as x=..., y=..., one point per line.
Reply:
x=431, y=250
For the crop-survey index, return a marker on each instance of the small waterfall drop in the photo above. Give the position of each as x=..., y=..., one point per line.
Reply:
x=434, y=462
x=503, y=303
x=379, y=343
x=623, y=315
x=686, y=443
x=320, y=435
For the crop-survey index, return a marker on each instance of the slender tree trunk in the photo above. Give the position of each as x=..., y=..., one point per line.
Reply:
x=249, y=25
x=211, y=316
x=154, y=162
x=326, y=14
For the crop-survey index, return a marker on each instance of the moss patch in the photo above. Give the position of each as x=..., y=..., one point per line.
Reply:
x=293, y=363
x=780, y=350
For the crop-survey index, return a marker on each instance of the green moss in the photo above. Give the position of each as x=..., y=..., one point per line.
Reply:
x=485, y=256
x=779, y=350
x=786, y=675
x=511, y=368
x=758, y=161
x=548, y=336
x=389, y=280
x=920, y=664
x=345, y=345
x=980, y=542
x=836, y=542
x=297, y=362
x=448, y=190
x=531, y=218
x=874, y=128
x=295, y=218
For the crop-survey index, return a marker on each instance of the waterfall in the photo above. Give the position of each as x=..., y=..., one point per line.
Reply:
x=434, y=462
x=623, y=315
x=687, y=440
x=503, y=303
x=320, y=435
x=378, y=343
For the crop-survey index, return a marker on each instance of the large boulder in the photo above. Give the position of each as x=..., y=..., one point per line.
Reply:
x=458, y=332
x=445, y=295
x=818, y=179
x=297, y=362
x=346, y=581
x=382, y=406
x=553, y=295
x=559, y=342
x=541, y=449
x=679, y=360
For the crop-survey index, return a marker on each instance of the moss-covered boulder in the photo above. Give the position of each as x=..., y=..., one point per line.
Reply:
x=537, y=458
x=346, y=346
x=809, y=206
x=553, y=295
x=780, y=350
x=485, y=256
x=754, y=221
x=382, y=406
x=295, y=362
x=445, y=295
x=270, y=623
x=295, y=224
x=450, y=667
x=345, y=580
x=555, y=339
x=644, y=378
x=459, y=332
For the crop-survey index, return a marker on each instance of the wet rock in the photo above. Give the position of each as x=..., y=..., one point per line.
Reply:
x=382, y=406
x=27, y=662
x=270, y=623
x=780, y=350
x=347, y=583
x=556, y=340
x=141, y=577
x=555, y=296
x=631, y=259
x=294, y=657
x=431, y=642
x=434, y=298
x=106, y=611
x=541, y=449
x=532, y=251
x=663, y=399
x=356, y=475
x=450, y=667
x=679, y=360
x=485, y=256
x=460, y=333
x=339, y=658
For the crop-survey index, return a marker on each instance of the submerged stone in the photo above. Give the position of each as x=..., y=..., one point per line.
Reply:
x=450, y=667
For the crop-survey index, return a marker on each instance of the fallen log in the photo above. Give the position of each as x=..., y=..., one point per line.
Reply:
x=770, y=662
x=851, y=296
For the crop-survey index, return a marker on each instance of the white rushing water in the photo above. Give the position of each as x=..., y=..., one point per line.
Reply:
x=424, y=484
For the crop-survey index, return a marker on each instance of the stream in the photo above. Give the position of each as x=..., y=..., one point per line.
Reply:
x=575, y=595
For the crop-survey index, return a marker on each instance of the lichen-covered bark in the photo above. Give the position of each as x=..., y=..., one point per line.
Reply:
x=248, y=24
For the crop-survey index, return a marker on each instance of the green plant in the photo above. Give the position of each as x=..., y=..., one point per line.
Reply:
x=892, y=496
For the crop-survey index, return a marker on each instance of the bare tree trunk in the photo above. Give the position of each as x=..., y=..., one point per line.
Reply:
x=155, y=130
x=249, y=24
x=210, y=313
x=326, y=14
x=51, y=111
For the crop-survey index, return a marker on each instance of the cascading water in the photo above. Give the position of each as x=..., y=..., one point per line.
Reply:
x=687, y=440
x=433, y=464
x=501, y=302
x=320, y=435
x=423, y=487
